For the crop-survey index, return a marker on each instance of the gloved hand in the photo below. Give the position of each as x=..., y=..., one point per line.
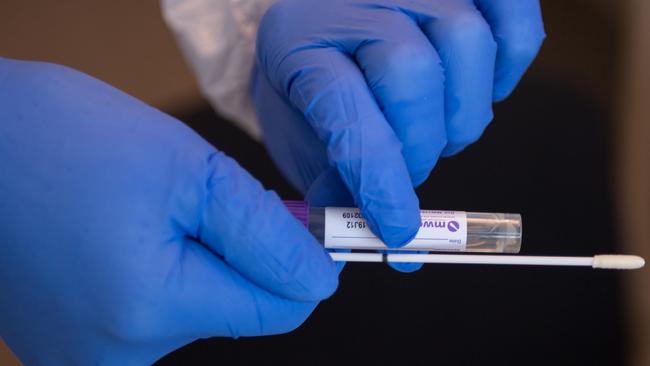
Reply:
x=124, y=235
x=372, y=93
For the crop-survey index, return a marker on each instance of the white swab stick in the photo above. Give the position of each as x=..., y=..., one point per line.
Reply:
x=609, y=261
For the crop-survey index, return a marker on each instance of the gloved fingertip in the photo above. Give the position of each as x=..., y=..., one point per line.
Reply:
x=397, y=221
x=405, y=267
x=395, y=230
x=327, y=286
x=420, y=177
x=451, y=150
x=501, y=93
x=340, y=266
x=399, y=237
x=504, y=84
x=321, y=281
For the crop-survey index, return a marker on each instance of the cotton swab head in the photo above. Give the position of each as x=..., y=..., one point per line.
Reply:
x=611, y=261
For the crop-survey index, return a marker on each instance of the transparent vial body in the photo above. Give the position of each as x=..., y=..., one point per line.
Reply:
x=486, y=232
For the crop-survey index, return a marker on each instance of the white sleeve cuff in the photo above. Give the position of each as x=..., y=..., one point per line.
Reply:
x=217, y=38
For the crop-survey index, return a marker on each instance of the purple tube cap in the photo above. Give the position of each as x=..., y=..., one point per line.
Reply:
x=300, y=210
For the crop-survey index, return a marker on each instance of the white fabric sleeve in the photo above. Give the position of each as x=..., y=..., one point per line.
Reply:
x=217, y=37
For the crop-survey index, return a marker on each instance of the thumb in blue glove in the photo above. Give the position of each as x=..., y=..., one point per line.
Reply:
x=124, y=235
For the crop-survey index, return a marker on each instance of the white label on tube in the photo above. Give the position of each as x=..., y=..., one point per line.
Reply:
x=345, y=228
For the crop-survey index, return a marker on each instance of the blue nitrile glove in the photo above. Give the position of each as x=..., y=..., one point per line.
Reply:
x=124, y=235
x=379, y=90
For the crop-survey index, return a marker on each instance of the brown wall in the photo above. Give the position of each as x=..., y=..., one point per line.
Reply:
x=122, y=42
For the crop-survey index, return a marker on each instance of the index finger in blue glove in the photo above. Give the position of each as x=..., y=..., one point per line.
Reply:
x=331, y=92
x=403, y=70
x=209, y=298
x=465, y=44
x=256, y=235
x=518, y=29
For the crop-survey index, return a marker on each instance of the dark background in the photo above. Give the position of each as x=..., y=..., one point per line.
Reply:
x=546, y=156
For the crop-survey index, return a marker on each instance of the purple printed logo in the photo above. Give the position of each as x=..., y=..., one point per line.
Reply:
x=433, y=224
x=453, y=226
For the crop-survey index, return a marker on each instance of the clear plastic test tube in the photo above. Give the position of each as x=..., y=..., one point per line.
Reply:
x=447, y=231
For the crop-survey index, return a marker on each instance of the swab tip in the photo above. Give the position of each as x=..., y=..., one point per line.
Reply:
x=613, y=261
